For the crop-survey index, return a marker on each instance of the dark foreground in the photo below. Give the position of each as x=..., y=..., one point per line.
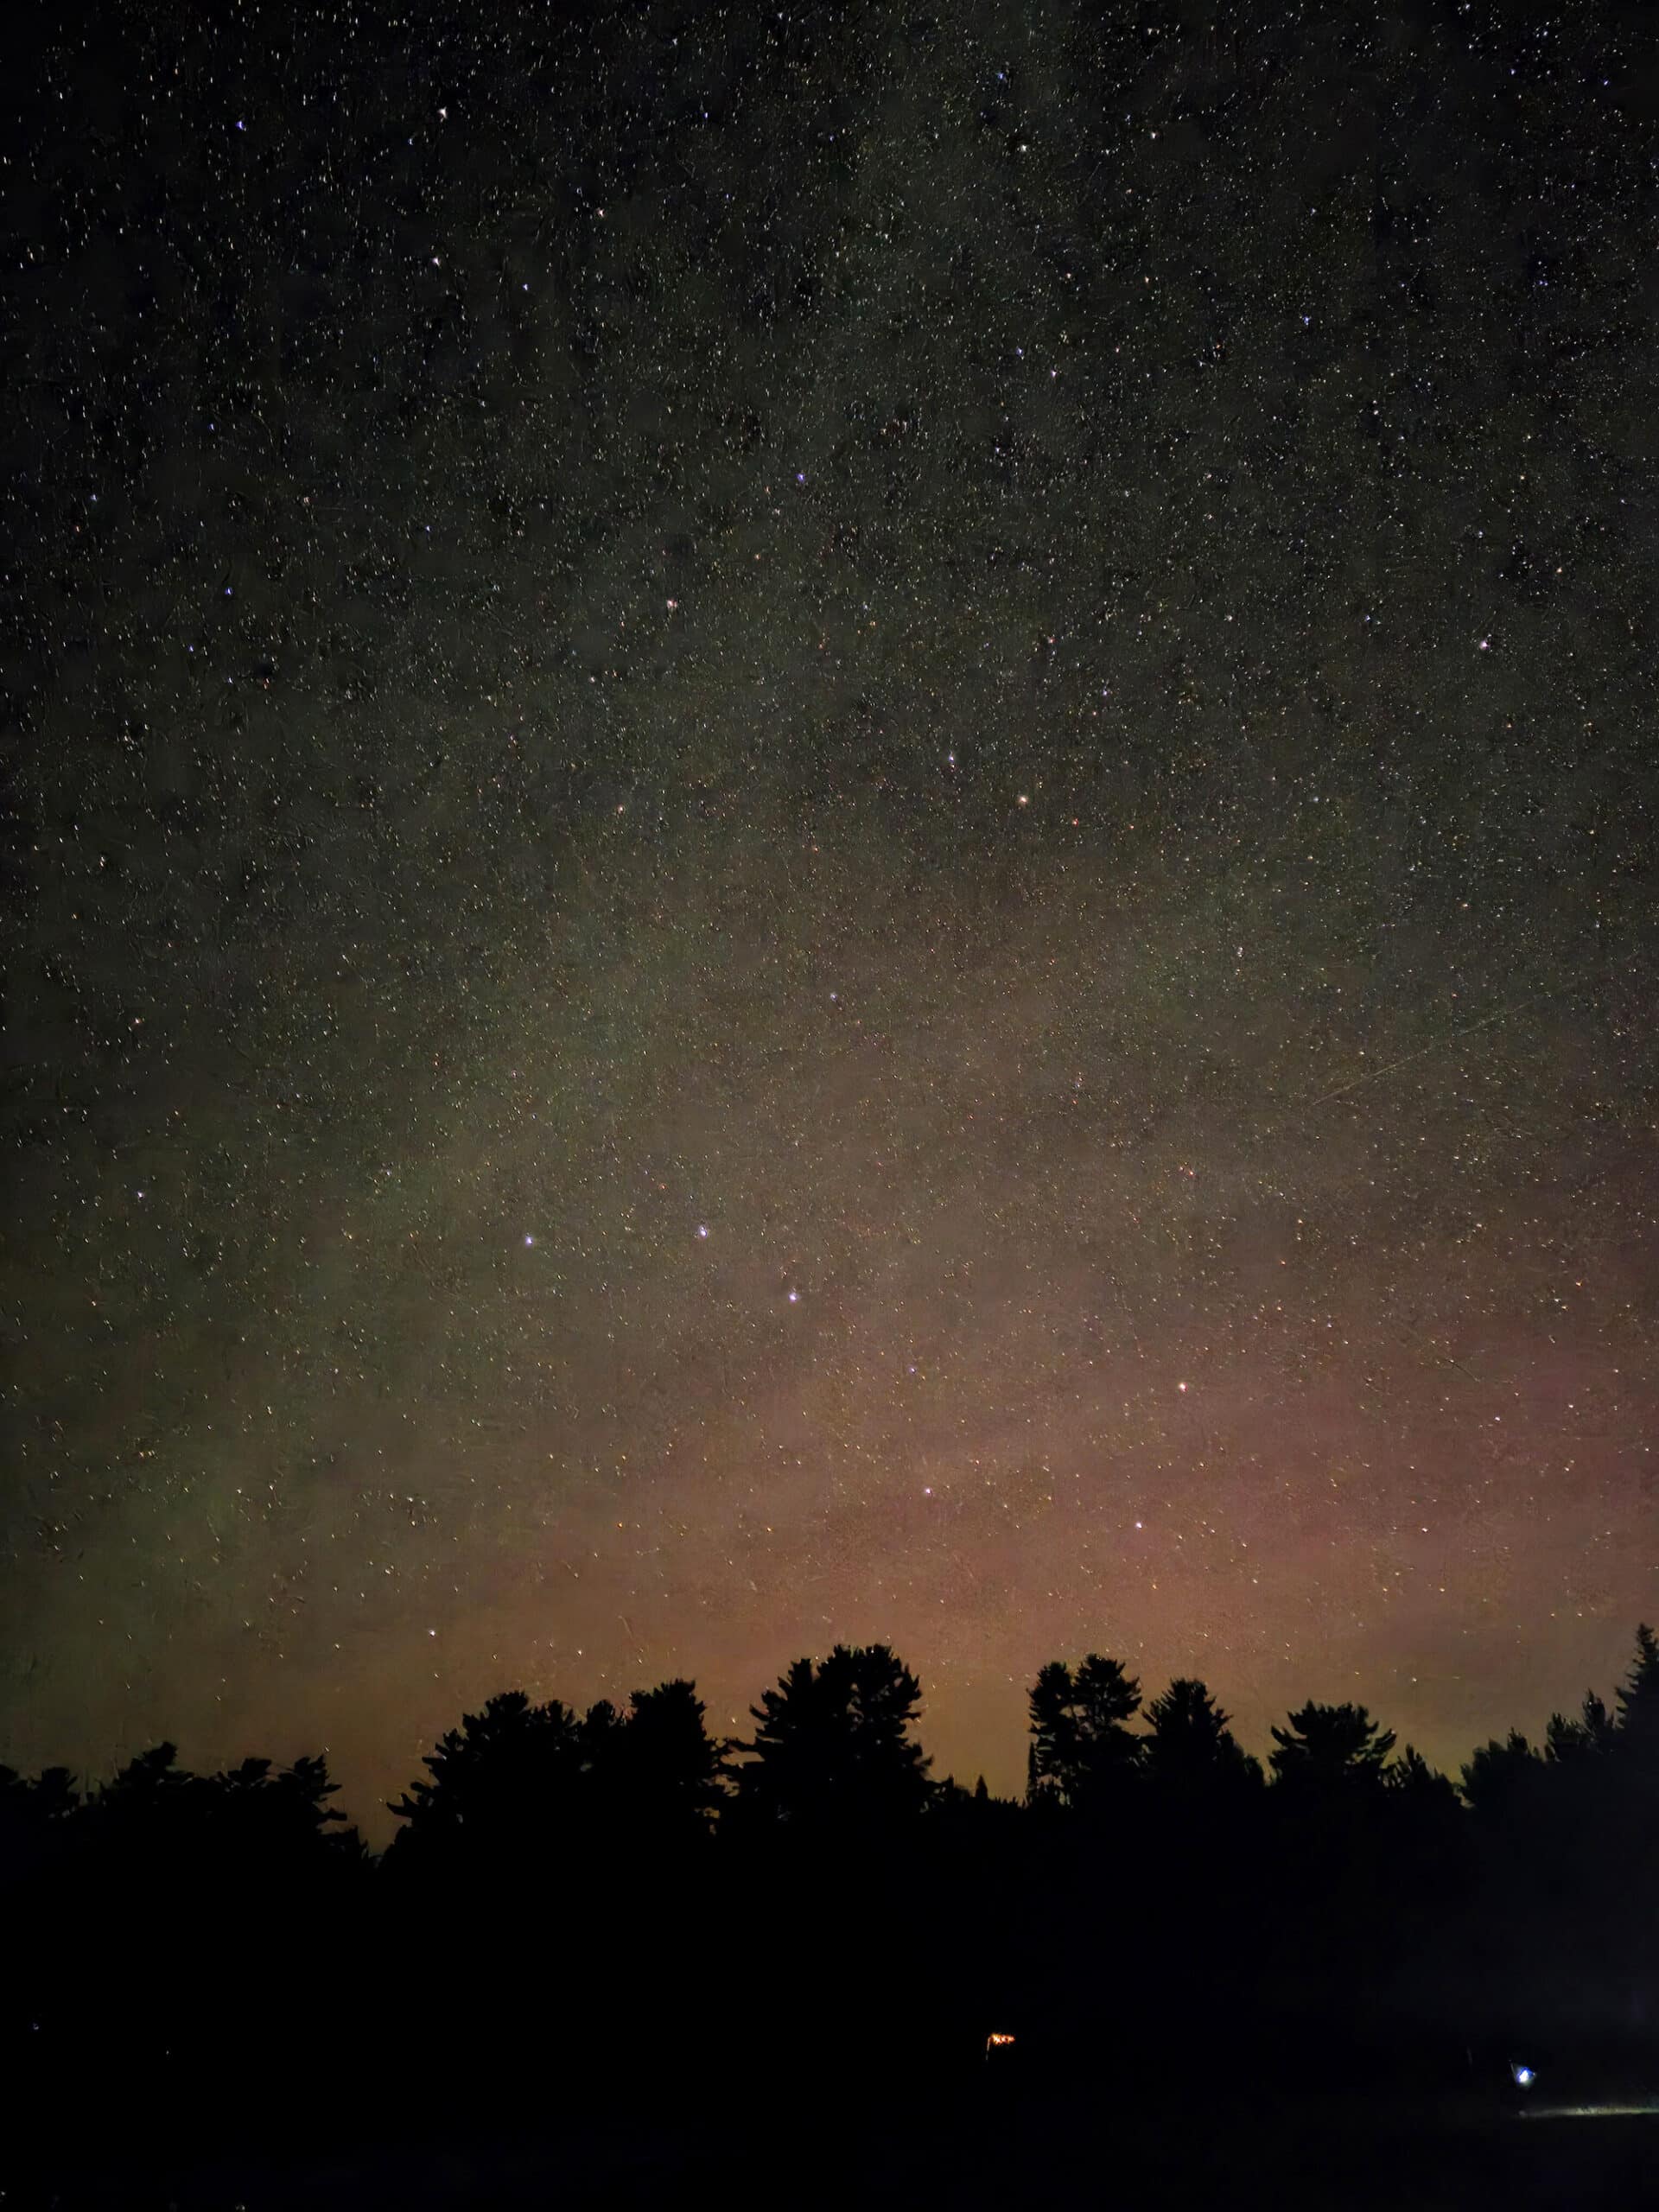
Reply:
x=982, y=2147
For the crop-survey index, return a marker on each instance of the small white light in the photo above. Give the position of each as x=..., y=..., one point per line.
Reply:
x=1524, y=2076
x=530, y=1240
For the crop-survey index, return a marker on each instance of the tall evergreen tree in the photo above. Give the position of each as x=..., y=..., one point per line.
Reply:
x=498, y=1782
x=666, y=1772
x=1081, y=1747
x=832, y=1743
x=1637, y=1700
x=1188, y=1743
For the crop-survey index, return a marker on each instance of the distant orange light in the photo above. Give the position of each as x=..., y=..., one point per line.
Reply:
x=997, y=2042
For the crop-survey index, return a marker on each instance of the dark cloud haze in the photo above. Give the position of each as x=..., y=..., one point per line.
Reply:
x=826, y=825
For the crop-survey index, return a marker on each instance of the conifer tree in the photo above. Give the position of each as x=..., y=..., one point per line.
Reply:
x=1188, y=1743
x=833, y=1744
x=1331, y=1747
x=1637, y=1700
x=1081, y=1747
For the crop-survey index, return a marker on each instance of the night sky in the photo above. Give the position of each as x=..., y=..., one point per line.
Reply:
x=825, y=824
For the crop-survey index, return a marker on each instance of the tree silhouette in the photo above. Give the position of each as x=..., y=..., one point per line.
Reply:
x=50, y=1798
x=1330, y=1748
x=146, y=1789
x=1568, y=1740
x=499, y=1782
x=1624, y=1817
x=1637, y=1700
x=1082, y=1748
x=520, y=1779
x=145, y=1823
x=1422, y=1789
x=832, y=1744
x=1525, y=1899
x=36, y=1819
x=1189, y=1744
x=657, y=1774
x=1499, y=1776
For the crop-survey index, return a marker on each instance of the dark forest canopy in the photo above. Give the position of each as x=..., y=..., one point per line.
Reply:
x=832, y=1747
x=574, y=1900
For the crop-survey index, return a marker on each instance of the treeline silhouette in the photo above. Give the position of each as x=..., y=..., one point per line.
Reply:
x=617, y=1909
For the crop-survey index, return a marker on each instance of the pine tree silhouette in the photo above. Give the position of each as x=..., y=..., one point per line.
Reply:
x=1082, y=1749
x=1412, y=1781
x=1189, y=1744
x=832, y=1743
x=662, y=1774
x=1499, y=1777
x=498, y=1786
x=1635, y=1702
x=35, y=1820
x=1329, y=1748
x=1566, y=1740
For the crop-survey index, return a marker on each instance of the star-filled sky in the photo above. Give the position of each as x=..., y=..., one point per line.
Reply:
x=826, y=824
